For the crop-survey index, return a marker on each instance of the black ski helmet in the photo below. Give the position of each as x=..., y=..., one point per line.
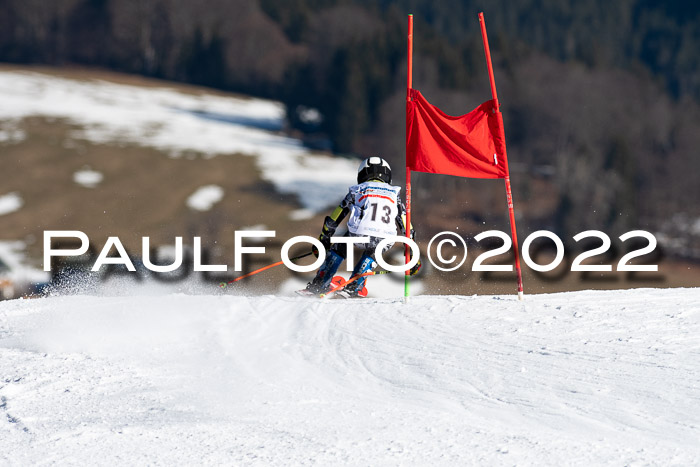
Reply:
x=374, y=168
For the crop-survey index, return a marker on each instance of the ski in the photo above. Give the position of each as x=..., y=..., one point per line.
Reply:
x=338, y=284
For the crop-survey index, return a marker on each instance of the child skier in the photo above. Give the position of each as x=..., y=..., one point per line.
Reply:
x=376, y=211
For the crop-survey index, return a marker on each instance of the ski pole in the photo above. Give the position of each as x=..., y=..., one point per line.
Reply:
x=224, y=284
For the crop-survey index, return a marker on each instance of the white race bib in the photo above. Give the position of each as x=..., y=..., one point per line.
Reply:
x=375, y=209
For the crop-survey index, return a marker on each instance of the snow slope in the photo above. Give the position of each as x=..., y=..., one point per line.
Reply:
x=604, y=377
x=179, y=124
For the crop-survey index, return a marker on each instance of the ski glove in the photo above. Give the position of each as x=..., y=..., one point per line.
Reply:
x=325, y=241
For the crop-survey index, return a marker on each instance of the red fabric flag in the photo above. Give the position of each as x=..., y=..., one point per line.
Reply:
x=472, y=145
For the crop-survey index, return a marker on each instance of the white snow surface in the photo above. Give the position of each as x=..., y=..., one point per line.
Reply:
x=180, y=124
x=584, y=378
x=205, y=197
x=87, y=177
x=11, y=135
x=13, y=255
x=10, y=202
x=16, y=269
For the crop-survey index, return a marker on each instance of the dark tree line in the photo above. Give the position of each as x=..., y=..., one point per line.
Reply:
x=603, y=93
x=345, y=57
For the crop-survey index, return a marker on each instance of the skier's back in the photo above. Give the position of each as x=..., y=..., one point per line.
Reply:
x=376, y=211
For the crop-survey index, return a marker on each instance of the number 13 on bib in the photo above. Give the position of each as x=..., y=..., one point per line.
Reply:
x=374, y=210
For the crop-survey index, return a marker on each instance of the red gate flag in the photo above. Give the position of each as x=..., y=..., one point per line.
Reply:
x=472, y=145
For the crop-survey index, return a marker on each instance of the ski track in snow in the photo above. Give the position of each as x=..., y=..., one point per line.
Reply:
x=595, y=377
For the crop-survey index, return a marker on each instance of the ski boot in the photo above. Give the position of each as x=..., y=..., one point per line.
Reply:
x=321, y=284
x=357, y=289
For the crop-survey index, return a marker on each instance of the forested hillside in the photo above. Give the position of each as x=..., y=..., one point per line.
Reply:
x=600, y=98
